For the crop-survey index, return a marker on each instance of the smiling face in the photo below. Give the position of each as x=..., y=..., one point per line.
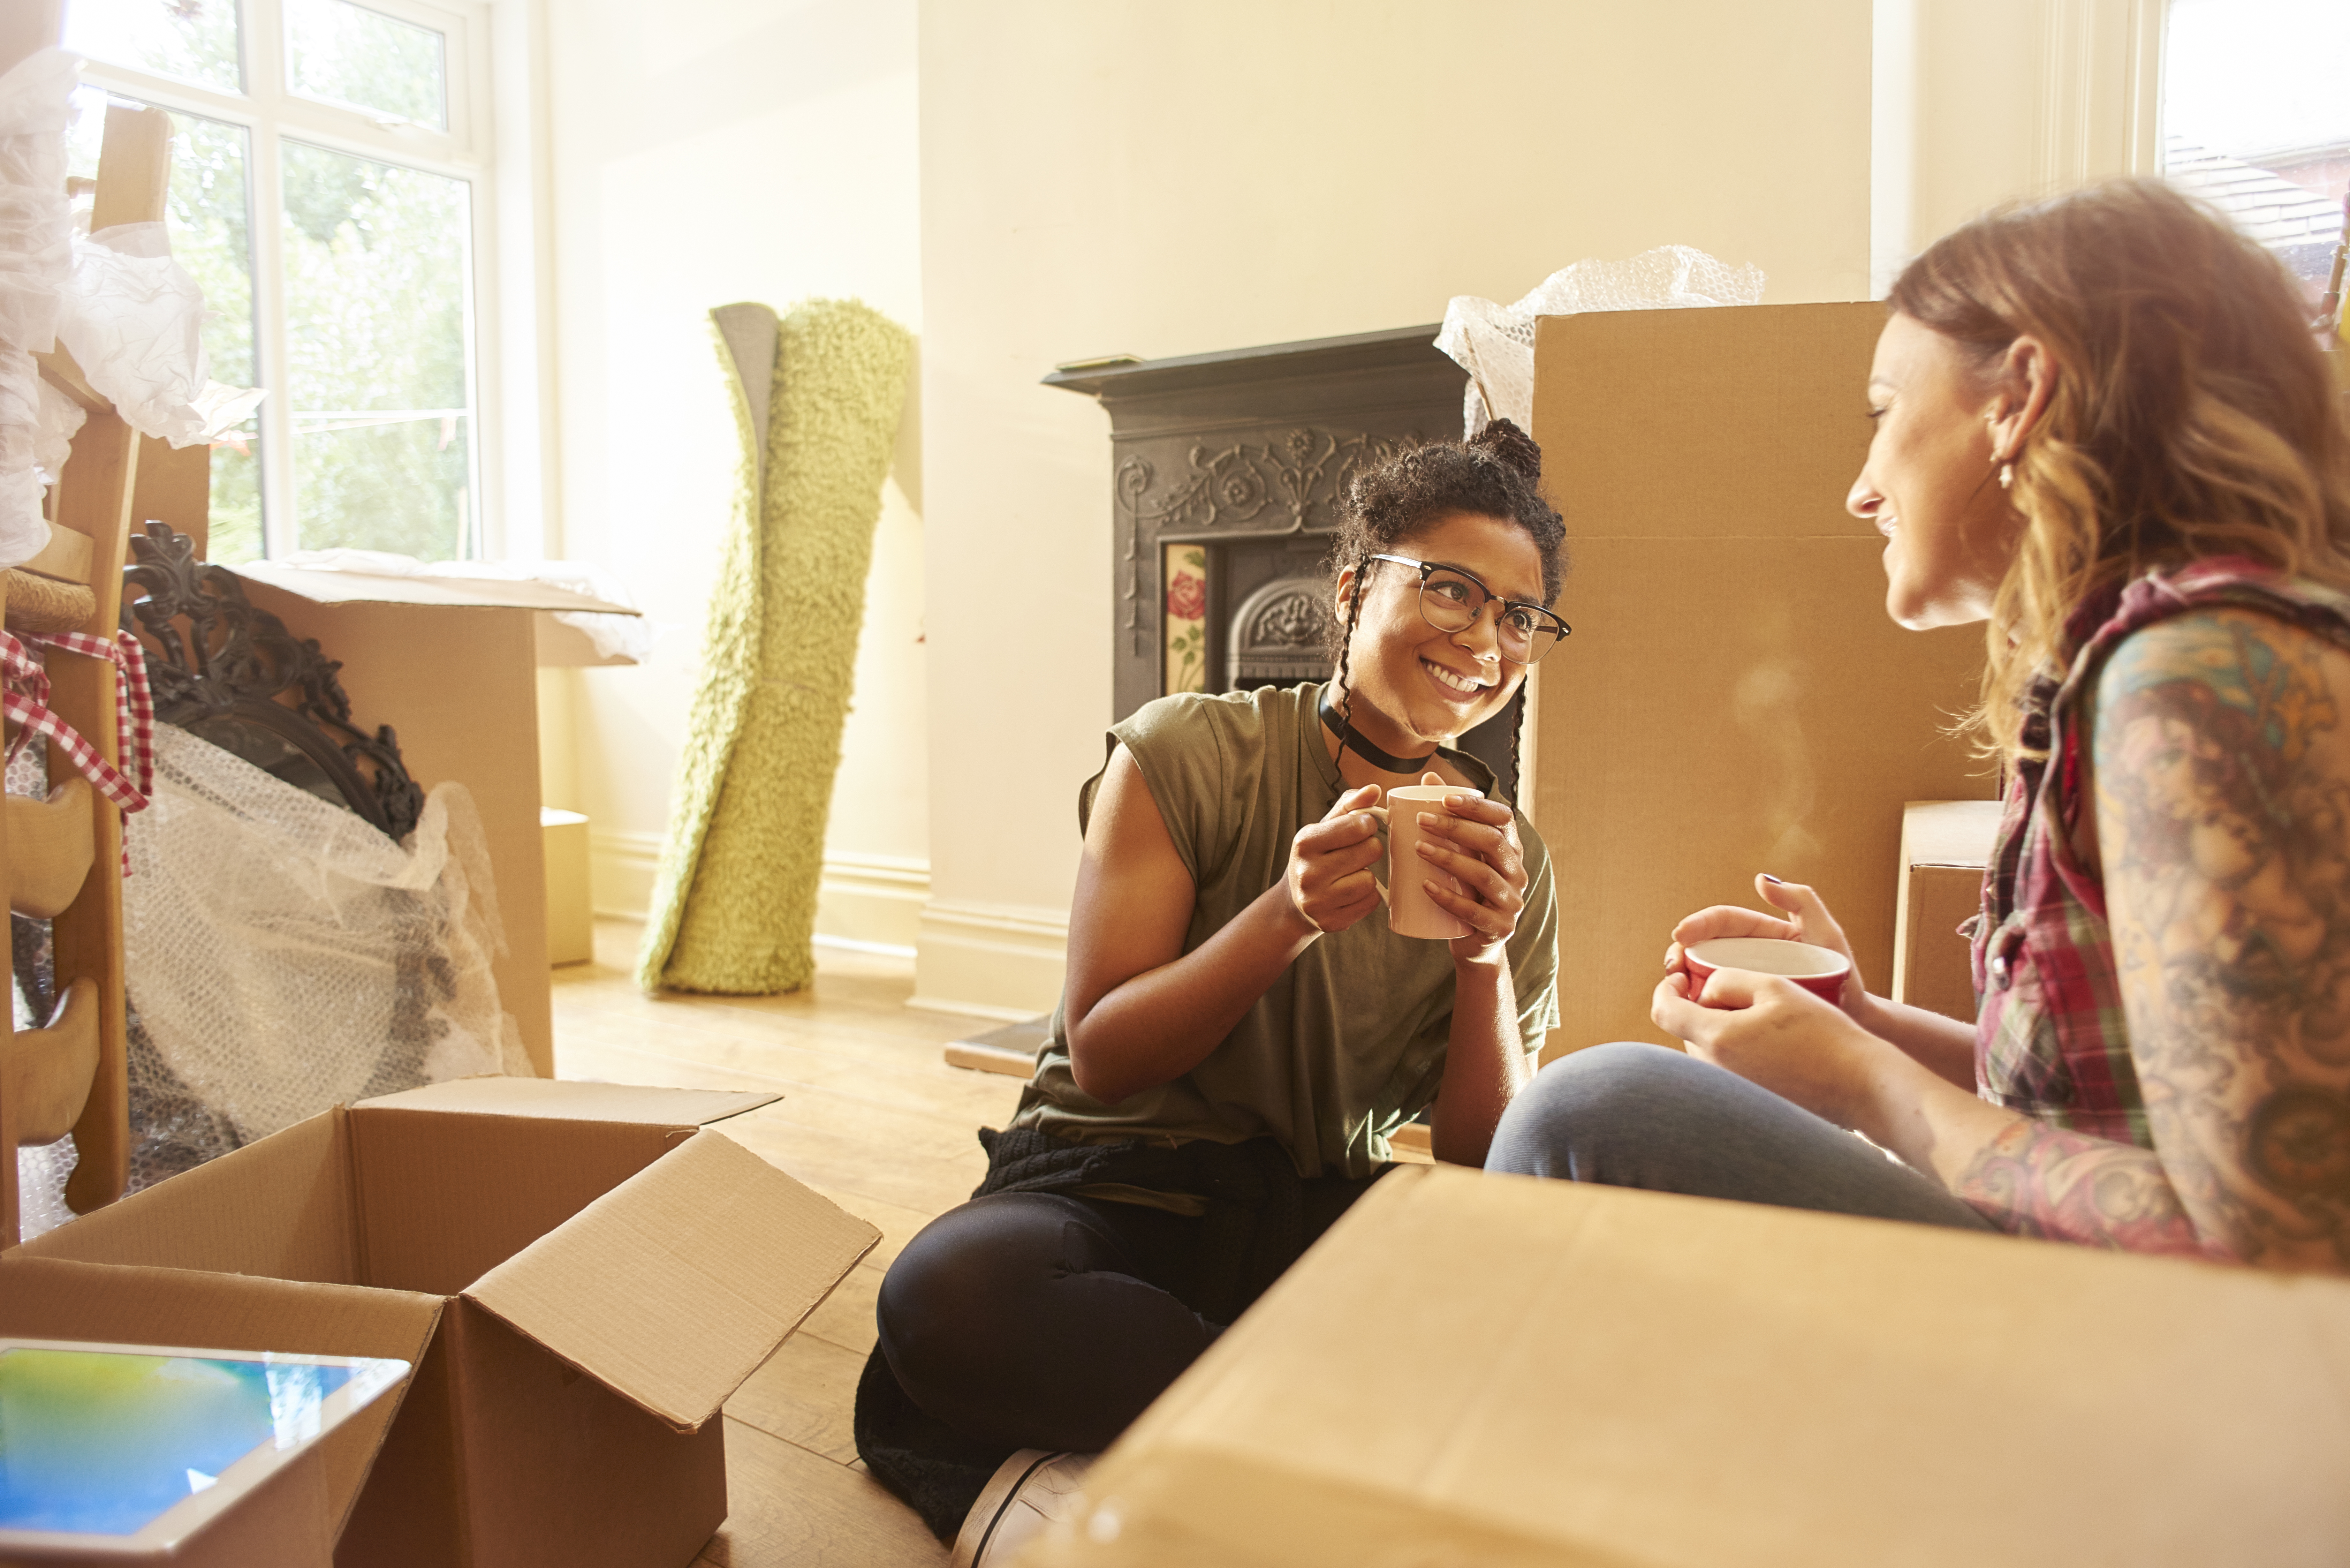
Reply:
x=1930, y=485
x=1416, y=686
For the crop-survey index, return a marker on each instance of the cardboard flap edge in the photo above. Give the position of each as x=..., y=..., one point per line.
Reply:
x=711, y=1229
x=490, y=1094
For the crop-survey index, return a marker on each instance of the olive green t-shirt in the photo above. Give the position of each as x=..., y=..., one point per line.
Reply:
x=1350, y=1042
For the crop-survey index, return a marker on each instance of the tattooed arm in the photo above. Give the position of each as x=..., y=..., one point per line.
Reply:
x=2221, y=775
x=2222, y=769
x=2222, y=772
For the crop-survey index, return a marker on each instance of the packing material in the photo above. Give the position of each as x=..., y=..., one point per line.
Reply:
x=452, y=665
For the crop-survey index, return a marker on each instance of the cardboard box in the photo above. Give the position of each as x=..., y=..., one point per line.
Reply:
x=1945, y=847
x=1499, y=1370
x=570, y=909
x=451, y=664
x=1733, y=699
x=293, y=1520
x=606, y=1272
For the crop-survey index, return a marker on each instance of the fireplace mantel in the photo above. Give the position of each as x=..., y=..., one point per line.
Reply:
x=1237, y=460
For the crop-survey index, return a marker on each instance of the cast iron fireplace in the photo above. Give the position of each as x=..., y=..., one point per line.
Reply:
x=1227, y=472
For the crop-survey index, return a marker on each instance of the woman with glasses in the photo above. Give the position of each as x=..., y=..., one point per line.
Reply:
x=2104, y=430
x=1241, y=1033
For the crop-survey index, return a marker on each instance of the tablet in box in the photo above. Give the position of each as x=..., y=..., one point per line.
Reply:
x=292, y=1517
x=125, y=1451
x=610, y=1273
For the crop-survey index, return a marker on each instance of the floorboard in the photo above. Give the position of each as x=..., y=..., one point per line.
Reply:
x=794, y=1508
x=872, y=1117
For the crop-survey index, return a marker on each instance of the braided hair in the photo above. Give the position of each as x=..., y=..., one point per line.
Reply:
x=1495, y=473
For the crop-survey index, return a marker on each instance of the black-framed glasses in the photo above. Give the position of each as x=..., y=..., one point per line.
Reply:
x=1451, y=601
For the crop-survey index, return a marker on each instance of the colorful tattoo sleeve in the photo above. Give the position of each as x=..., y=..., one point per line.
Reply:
x=2223, y=772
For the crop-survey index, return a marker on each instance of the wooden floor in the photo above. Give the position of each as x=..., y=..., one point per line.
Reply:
x=872, y=1117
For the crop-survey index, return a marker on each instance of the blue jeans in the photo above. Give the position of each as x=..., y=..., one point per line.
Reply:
x=1646, y=1116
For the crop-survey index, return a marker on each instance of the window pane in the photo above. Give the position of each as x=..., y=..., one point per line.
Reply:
x=349, y=55
x=207, y=217
x=194, y=40
x=2256, y=119
x=377, y=259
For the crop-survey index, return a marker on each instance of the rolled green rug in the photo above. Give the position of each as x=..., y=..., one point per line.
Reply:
x=816, y=398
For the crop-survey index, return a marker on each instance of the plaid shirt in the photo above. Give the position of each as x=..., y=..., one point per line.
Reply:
x=2051, y=1040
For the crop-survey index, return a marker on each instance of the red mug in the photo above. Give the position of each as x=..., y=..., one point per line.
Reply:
x=1818, y=970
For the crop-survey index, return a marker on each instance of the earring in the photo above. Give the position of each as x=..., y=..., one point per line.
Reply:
x=2006, y=475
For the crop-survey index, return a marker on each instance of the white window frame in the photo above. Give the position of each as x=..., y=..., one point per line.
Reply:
x=269, y=112
x=2101, y=90
x=2076, y=96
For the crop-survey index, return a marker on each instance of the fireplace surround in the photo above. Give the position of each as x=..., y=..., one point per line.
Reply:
x=1227, y=472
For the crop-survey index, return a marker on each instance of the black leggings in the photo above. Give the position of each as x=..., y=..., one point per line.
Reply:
x=1036, y=1320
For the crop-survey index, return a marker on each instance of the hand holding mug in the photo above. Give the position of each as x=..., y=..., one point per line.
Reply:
x=1770, y=1031
x=1329, y=876
x=1805, y=919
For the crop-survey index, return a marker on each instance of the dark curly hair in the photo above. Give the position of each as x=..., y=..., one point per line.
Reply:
x=1495, y=473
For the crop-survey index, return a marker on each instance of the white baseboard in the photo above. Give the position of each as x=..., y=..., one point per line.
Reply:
x=621, y=867
x=866, y=903
x=980, y=960
x=990, y=960
x=851, y=945
x=872, y=903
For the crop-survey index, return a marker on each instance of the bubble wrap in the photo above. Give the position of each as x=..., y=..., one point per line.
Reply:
x=35, y=231
x=36, y=259
x=1495, y=343
x=283, y=955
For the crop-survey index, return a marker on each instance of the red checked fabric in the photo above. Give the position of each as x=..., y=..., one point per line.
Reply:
x=2051, y=1040
x=25, y=700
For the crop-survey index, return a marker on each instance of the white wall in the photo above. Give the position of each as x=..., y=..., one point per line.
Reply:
x=1112, y=175
x=703, y=151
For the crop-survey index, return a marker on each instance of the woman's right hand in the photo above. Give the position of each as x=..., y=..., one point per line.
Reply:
x=1808, y=920
x=1329, y=875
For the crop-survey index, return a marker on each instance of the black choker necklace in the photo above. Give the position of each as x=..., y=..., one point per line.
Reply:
x=1350, y=736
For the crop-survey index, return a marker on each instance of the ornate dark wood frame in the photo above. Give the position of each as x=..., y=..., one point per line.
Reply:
x=236, y=669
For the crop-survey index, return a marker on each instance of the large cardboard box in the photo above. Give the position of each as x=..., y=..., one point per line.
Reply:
x=1733, y=699
x=1497, y=1370
x=606, y=1271
x=452, y=664
x=292, y=1520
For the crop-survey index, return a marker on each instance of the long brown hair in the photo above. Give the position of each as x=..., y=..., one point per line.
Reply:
x=2192, y=414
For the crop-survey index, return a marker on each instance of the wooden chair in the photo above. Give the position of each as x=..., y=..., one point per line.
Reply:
x=63, y=856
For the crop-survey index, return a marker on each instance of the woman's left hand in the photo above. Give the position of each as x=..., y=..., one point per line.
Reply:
x=1475, y=841
x=1773, y=1033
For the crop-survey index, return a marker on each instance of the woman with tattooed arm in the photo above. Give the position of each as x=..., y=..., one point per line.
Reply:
x=2103, y=429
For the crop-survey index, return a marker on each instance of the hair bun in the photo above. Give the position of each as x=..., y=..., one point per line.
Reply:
x=1512, y=445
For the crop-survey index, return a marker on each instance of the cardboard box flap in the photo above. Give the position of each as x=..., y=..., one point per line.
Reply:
x=342, y=587
x=47, y=1299
x=280, y=1207
x=562, y=1099
x=1599, y=1376
x=674, y=1286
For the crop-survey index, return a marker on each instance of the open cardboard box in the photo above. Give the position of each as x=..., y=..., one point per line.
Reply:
x=600, y=1273
x=1497, y=1370
x=452, y=665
